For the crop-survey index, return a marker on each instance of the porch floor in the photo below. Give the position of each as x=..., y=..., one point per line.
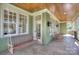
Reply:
x=56, y=47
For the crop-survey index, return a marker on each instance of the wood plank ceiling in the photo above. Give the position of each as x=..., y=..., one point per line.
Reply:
x=61, y=10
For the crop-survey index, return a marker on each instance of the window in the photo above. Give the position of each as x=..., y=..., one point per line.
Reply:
x=22, y=23
x=14, y=23
x=9, y=22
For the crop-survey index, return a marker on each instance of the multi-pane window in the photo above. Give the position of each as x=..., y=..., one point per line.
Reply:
x=13, y=21
x=9, y=22
x=22, y=23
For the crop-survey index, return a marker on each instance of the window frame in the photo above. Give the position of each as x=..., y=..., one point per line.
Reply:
x=27, y=22
x=17, y=23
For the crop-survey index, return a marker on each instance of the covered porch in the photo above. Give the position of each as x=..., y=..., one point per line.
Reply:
x=38, y=28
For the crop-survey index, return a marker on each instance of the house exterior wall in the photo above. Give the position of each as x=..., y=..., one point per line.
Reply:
x=45, y=29
x=30, y=24
x=47, y=34
x=62, y=28
x=3, y=44
x=16, y=39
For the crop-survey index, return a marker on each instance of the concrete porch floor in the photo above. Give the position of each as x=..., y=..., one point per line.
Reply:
x=56, y=47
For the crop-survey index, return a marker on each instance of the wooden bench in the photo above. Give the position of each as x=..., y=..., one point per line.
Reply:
x=16, y=43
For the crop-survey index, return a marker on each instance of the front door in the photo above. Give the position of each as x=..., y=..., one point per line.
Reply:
x=37, y=35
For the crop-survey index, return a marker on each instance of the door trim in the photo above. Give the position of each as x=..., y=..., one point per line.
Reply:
x=34, y=27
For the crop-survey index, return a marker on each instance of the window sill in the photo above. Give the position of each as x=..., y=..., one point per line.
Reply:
x=15, y=34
